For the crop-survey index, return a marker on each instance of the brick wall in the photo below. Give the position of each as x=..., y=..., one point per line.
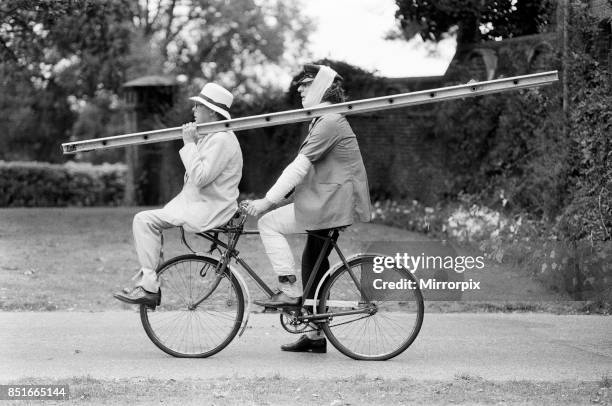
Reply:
x=401, y=159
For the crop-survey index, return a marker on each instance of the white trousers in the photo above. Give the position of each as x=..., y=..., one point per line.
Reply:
x=273, y=227
x=147, y=228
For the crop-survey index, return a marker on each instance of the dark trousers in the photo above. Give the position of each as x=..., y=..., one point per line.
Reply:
x=312, y=250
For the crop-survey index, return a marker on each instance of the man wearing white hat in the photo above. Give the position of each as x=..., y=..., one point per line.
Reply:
x=213, y=169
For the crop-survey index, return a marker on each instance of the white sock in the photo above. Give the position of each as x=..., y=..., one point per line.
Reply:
x=315, y=335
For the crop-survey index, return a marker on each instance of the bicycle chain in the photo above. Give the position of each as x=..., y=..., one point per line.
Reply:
x=333, y=325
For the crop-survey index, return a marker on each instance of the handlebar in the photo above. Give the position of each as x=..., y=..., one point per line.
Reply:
x=243, y=205
x=241, y=213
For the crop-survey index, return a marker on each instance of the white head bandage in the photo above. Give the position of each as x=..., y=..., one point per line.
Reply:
x=320, y=84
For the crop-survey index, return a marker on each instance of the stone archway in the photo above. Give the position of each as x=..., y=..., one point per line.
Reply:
x=539, y=57
x=483, y=61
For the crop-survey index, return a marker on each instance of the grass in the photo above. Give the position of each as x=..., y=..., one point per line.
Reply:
x=72, y=259
x=359, y=390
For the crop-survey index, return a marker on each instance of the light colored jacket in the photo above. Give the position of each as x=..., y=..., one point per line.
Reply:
x=213, y=169
x=335, y=191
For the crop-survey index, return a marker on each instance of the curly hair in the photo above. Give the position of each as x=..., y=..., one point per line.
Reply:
x=334, y=94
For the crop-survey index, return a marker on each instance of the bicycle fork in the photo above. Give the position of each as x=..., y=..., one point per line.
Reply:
x=219, y=274
x=224, y=270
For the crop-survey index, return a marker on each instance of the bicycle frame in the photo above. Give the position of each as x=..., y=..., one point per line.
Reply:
x=229, y=251
x=381, y=330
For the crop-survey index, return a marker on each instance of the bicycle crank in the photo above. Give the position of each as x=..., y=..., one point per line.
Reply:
x=293, y=322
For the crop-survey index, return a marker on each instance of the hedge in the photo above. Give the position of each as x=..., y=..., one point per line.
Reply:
x=39, y=184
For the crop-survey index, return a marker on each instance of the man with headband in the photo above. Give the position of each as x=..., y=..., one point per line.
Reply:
x=330, y=190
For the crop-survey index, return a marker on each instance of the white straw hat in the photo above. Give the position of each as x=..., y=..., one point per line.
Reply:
x=215, y=98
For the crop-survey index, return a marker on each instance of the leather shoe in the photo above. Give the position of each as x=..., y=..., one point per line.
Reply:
x=279, y=300
x=140, y=296
x=307, y=344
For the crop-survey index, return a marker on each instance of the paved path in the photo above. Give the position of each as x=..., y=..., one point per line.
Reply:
x=493, y=346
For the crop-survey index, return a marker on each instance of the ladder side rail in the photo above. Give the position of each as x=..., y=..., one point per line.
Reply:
x=299, y=115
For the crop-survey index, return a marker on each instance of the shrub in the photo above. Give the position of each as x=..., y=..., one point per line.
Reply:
x=579, y=268
x=39, y=184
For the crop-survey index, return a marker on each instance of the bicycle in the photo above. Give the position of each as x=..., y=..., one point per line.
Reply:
x=203, y=304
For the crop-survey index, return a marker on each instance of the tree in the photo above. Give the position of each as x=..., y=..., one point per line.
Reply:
x=77, y=45
x=53, y=54
x=474, y=20
x=58, y=57
x=221, y=40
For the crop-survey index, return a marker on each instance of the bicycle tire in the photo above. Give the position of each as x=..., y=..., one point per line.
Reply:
x=171, y=326
x=362, y=336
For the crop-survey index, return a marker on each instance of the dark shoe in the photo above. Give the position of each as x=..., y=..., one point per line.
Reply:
x=279, y=300
x=140, y=296
x=306, y=344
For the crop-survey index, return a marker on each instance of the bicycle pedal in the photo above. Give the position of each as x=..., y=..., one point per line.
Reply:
x=270, y=310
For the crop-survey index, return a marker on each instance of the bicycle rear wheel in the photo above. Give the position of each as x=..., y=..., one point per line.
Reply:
x=181, y=330
x=394, y=319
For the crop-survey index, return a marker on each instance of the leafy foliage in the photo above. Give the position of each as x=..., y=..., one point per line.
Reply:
x=507, y=149
x=54, y=53
x=589, y=212
x=235, y=41
x=476, y=20
x=585, y=224
x=36, y=184
x=78, y=45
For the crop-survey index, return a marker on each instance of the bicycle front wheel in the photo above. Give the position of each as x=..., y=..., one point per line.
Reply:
x=181, y=327
x=390, y=321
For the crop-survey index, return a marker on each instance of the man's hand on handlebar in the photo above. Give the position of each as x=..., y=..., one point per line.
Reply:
x=256, y=207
